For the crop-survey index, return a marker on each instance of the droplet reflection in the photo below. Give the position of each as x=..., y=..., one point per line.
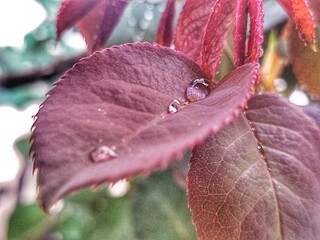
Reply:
x=103, y=153
x=197, y=90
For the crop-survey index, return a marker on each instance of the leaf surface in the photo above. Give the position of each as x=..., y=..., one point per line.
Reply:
x=97, y=26
x=70, y=12
x=300, y=13
x=191, y=26
x=306, y=65
x=165, y=31
x=119, y=98
x=240, y=32
x=215, y=33
x=256, y=30
x=237, y=191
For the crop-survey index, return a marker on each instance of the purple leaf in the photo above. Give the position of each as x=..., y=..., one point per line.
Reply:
x=95, y=19
x=240, y=33
x=313, y=111
x=239, y=189
x=256, y=31
x=70, y=12
x=107, y=118
x=98, y=24
x=191, y=26
x=215, y=33
x=165, y=32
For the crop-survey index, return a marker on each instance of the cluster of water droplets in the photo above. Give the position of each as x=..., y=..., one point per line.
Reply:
x=198, y=89
x=103, y=153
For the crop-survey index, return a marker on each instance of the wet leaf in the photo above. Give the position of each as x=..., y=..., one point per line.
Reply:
x=191, y=26
x=165, y=31
x=119, y=98
x=301, y=14
x=239, y=189
x=306, y=65
x=215, y=33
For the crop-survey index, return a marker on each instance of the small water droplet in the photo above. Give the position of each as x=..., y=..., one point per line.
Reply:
x=197, y=90
x=99, y=109
x=259, y=147
x=103, y=153
x=174, y=106
x=260, y=52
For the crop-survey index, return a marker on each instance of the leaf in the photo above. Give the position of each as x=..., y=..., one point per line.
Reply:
x=165, y=32
x=95, y=19
x=313, y=111
x=119, y=98
x=98, y=24
x=215, y=33
x=306, y=65
x=70, y=12
x=240, y=32
x=300, y=13
x=256, y=30
x=191, y=26
x=167, y=203
x=237, y=191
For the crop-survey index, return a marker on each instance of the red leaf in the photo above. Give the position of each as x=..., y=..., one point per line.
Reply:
x=98, y=24
x=300, y=13
x=191, y=26
x=215, y=33
x=70, y=12
x=236, y=194
x=256, y=30
x=305, y=64
x=116, y=102
x=240, y=33
x=165, y=32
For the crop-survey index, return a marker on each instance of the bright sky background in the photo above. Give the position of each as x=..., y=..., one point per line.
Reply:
x=17, y=18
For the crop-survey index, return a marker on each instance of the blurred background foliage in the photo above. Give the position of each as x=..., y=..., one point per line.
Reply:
x=153, y=208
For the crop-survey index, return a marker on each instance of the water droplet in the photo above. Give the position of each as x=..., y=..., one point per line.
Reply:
x=103, y=153
x=260, y=52
x=197, y=90
x=99, y=109
x=259, y=147
x=174, y=106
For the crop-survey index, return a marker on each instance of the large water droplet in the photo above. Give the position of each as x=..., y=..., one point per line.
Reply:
x=103, y=153
x=174, y=106
x=197, y=90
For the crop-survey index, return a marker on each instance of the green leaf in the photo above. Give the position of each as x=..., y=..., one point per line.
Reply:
x=160, y=210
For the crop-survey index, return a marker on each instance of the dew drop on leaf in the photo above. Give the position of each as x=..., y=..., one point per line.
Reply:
x=174, y=106
x=197, y=90
x=103, y=153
